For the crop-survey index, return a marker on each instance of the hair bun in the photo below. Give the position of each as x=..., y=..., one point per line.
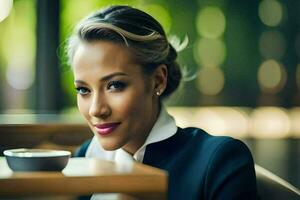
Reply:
x=174, y=72
x=172, y=55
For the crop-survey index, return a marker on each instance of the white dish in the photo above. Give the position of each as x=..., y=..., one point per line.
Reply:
x=36, y=159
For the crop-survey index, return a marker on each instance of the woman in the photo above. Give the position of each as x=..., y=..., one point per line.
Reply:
x=123, y=68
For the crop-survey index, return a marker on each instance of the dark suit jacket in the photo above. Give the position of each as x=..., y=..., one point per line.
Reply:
x=202, y=166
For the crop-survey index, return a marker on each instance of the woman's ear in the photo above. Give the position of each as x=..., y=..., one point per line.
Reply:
x=160, y=76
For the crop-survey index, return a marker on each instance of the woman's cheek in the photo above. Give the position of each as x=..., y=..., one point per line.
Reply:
x=125, y=102
x=83, y=106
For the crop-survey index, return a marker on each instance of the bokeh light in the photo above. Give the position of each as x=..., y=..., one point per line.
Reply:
x=270, y=12
x=214, y=120
x=19, y=53
x=295, y=119
x=211, y=121
x=5, y=7
x=19, y=78
x=272, y=44
x=225, y=119
x=210, y=81
x=210, y=52
x=271, y=76
x=270, y=122
x=184, y=116
x=233, y=115
x=211, y=22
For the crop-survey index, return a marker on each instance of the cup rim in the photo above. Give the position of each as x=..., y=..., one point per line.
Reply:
x=35, y=153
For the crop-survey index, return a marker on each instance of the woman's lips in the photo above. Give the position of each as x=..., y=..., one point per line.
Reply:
x=107, y=128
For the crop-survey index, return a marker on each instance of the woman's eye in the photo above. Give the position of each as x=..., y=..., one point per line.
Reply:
x=82, y=90
x=116, y=85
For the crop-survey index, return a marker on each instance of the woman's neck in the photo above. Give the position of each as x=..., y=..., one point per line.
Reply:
x=133, y=146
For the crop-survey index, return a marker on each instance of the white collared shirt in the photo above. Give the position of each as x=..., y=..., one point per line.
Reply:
x=163, y=128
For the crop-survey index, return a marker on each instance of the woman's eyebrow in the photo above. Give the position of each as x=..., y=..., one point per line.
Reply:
x=105, y=78
x=110, y=76
x=80, y=82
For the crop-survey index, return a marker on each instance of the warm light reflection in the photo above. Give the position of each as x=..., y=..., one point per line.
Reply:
x=263, y=122
x=271, y=76
x=204, y=118
x=295, y=122
x=214, y=120
x=183, y=115
x=211, y=22
x=210, y=52
x=270, y=122
x=239, y=122
x=236, y=120
x=223, y=121
x=272, y=44
x=270, y=12
x=5, y=7
x=210, y=121
x=210, y=80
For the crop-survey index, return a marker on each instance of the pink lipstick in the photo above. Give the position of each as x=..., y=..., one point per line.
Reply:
x=107, y=128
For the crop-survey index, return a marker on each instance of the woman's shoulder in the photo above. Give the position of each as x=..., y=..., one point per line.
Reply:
x=202, y=138
x=200, y=144
x=210, y=146
x=210, y=162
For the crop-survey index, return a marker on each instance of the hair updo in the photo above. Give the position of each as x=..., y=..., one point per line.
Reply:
x=140, y=32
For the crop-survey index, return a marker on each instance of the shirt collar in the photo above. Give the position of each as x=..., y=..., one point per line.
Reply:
x=163, y=128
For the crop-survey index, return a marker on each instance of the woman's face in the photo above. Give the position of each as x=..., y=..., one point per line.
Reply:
x=115, y=97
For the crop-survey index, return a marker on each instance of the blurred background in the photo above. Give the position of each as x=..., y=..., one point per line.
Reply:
x=242, y=66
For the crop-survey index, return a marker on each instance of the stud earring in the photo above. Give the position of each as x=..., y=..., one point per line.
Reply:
x=157, y=93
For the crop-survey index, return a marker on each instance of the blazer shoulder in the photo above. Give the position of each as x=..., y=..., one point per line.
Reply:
x=227, y=147
x=231, y=168
x=207, y=143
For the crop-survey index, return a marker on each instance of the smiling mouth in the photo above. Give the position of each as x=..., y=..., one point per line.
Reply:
x=107, y=128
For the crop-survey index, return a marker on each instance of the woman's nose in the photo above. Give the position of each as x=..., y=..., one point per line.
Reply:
x=99, y=108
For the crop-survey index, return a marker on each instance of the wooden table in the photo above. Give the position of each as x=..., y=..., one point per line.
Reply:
x=85, y=176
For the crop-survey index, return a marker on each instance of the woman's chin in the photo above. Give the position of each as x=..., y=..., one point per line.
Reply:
x=109, y=147
x=109, y=144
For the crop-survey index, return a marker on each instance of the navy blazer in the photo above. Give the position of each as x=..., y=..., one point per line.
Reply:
x=202, y=166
